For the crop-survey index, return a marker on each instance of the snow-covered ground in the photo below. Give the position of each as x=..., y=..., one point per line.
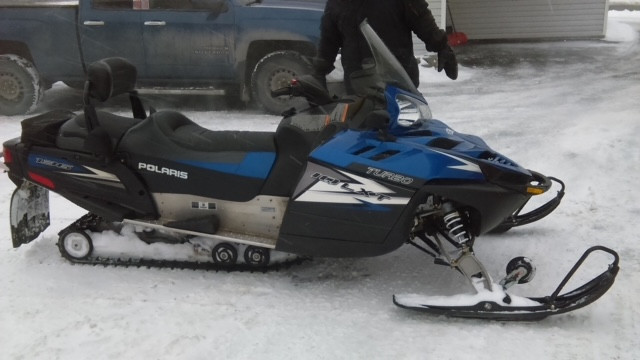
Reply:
x=568, y=109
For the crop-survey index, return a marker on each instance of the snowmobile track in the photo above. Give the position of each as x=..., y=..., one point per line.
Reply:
x=186, y=265
x=95, y=223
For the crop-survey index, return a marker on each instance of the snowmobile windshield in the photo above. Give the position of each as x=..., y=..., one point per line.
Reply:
x=386, y=69
x=406, y=105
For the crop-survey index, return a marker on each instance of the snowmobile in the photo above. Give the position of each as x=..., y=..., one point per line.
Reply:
x=346, y=177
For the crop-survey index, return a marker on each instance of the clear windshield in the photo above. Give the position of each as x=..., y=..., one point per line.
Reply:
x=387, y=68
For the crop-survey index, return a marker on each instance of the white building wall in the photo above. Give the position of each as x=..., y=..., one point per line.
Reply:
x=530, y=19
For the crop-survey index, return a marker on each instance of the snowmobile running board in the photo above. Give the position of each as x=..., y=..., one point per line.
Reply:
x=234, y=238
x=498, y=305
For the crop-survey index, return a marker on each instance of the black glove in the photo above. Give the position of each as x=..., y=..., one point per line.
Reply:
x=321, y=79
x=447, y=61
x=321, y=68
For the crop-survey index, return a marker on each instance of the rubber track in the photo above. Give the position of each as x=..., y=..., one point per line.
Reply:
x=186, y=265
x=91, y=221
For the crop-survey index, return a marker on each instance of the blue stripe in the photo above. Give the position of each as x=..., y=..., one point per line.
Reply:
x=254, y=165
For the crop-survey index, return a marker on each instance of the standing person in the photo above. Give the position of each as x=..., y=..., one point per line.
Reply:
x=393, y=21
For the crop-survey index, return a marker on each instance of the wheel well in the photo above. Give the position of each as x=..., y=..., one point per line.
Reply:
x=259, y=49
x=15, y=48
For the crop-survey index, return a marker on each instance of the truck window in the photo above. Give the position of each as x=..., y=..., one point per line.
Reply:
x=113, y=4
x=185, y=4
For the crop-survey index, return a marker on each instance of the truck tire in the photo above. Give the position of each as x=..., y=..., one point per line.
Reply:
x=20, y=86
x=273, y=72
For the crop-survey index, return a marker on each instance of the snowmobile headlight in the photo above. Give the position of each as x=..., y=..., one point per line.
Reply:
x=535, y=190
x=411, y=110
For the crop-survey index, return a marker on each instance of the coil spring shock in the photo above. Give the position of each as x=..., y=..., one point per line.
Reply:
x=455, y=227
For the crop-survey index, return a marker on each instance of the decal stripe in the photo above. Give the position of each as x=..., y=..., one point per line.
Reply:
x=468, y=165
x=354, y=190
x=254, y=165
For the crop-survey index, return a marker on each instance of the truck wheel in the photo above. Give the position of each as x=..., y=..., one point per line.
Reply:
x=273, y=72
x=20, y=87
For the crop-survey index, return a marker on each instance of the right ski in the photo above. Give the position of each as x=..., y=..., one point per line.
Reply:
x=498, y=305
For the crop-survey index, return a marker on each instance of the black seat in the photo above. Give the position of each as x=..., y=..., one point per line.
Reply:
x=188, y=135
x=225, y=165
x=73, y=133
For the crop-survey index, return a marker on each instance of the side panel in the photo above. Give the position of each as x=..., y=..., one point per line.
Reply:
x=260, y=216
x=207, y=178
x=339, y=214
x=109, y=189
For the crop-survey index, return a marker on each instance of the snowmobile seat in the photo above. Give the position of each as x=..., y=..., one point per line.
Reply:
x=172, y=126
x=73, y=133
x=226, y=165
x=294, y=145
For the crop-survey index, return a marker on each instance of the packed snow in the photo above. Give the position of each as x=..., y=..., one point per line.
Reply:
x=568, y=109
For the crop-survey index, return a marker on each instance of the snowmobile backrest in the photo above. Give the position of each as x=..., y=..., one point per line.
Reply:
x=110, y=77
x=107, y=78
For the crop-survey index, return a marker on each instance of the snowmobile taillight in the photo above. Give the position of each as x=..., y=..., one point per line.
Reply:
x=6, y=154
x=44, y=181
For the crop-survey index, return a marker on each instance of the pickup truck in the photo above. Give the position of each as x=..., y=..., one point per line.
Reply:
x=242, y=48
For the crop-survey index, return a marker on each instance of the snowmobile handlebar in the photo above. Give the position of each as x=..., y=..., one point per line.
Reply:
x=308, y=87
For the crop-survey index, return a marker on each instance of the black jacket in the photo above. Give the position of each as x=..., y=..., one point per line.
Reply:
x=393, y=21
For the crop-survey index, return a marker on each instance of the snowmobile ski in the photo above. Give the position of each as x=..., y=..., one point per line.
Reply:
x=498, y=305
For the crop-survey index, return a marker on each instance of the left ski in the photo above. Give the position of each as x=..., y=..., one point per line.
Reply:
x=498, y=305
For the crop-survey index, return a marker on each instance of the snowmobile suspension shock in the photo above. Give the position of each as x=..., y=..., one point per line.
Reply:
x=455, y=227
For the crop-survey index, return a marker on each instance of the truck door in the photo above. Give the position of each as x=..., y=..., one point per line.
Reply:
x=110, y=28
x=188, y=39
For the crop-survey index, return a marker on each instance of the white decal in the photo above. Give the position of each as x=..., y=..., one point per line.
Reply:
x=468, y=165
x=357, y=191
x=163, y=170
